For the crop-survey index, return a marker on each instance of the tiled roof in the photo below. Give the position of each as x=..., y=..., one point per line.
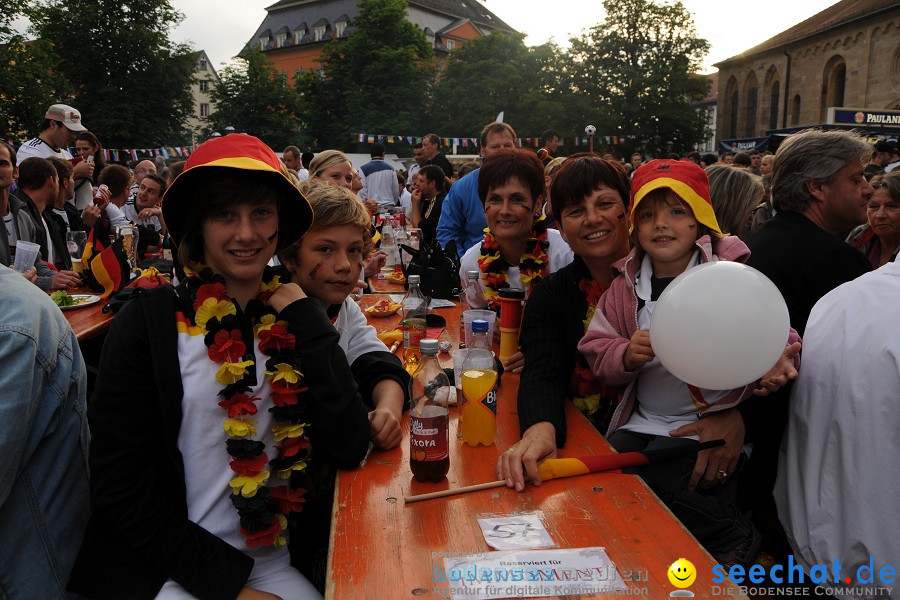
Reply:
x=472, y=10
x=835, y=15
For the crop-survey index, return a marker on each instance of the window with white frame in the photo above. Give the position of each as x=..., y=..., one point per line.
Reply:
x=298, y=36
x=203, y=65
x=204, y=85
x=263, y=42
x=320, y=33
x=339, y=28
x=280, y=39
x=204, y=109
x=450, y=44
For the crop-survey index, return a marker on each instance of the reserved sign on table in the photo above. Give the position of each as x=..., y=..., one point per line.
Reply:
x=533, y=574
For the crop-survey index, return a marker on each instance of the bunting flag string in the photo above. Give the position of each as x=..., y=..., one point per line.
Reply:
x=473, y=142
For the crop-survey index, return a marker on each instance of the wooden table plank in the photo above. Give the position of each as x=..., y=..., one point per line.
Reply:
x=381, y=548
x=90, y=320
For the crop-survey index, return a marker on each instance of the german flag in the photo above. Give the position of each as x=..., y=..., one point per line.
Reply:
x=106, y=266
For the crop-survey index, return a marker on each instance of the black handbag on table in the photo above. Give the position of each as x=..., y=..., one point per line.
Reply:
x=438, y=269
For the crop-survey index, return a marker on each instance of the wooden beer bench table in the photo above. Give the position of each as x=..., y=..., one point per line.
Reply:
x=382, y=548
x=88, y=321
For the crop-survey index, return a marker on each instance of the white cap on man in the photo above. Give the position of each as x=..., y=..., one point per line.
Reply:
x=70, y=117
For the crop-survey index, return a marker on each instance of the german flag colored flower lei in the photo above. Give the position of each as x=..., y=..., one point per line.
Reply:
x=589, y=395
x=533, y=264
x=262, y=507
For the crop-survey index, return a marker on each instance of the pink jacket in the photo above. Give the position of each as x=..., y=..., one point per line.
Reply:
x=609, y=333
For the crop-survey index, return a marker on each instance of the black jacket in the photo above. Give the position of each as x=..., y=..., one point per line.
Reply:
x=552, y=326
x=139, y=534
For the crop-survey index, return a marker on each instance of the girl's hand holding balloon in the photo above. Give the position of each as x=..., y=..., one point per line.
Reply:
x=639, y=351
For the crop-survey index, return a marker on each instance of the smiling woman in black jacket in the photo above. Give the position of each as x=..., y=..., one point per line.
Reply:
x=213, y=398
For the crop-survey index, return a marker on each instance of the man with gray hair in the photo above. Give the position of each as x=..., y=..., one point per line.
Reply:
x=819, y=192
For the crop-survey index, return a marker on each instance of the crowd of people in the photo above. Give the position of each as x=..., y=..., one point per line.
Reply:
x=136, y=493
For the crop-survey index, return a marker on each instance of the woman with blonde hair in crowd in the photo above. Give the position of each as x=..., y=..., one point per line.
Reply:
x=735, y=192
x=332, y=166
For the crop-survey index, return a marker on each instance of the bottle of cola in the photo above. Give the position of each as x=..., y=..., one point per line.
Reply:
x=429, y=418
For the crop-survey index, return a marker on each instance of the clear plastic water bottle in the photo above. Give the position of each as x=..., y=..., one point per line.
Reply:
x=466, y=298
x=429, y=419
x=389, y=244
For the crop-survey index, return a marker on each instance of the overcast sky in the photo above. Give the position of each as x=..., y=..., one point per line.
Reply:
x=221, y=27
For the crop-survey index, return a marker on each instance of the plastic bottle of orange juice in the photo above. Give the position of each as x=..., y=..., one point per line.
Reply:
x=479, y=390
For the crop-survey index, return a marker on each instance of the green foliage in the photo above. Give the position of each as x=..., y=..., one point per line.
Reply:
x=499, y=73
x=375, y=80
x=28, y=87
x=636, y=67
x=253, y=97
x=131, y=84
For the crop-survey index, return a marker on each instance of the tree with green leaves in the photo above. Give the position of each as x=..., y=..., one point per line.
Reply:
x=375, y=80
x=497, y=73
x=130, y=82
x=637, y=69
x=28, y=88
x=253, y=97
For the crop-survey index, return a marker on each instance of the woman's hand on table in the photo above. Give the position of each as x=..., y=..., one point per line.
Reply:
x=538, y=443
x=376, y=260
x=286, y=294
x=715, y=465
x=62, y=280
x=514, y=363
x=781, y=373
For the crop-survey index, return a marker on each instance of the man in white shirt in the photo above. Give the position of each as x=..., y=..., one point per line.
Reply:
x=379, y=180
x=838, y=475
x=61, y=124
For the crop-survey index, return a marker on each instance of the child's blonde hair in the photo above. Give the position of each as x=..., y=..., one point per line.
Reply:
x=333, y=206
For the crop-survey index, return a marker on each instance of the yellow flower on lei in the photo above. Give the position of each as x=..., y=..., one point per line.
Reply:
x=280, y=540
x=284, y=372
x=288, y=430
x=240, y=428
x=272, y=285
x=300, y=465
x=246, y=485
x=213, y=308
x=588, y=404
x=229, y=372
x=265, y=324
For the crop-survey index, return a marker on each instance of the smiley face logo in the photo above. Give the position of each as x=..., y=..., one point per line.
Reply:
x=682, y=573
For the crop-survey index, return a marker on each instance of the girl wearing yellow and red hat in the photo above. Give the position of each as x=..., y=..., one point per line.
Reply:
x=213, y=398
x=674, y=228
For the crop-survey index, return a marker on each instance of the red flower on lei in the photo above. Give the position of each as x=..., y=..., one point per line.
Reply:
x=275, y=338
x=288, y=499
x=210, y=290
x=239, y=405
x=227, y=347
x=249, y=466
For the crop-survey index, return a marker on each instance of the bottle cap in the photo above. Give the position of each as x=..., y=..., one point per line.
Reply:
x=472, y=274
x=413, y=279
x=428, y=346
x=479, y=326
x=514, y=293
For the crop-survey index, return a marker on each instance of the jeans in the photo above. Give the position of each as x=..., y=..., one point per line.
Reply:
x=710, y=515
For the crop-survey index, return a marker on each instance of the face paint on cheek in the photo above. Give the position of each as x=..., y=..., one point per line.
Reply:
x=312, y=274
